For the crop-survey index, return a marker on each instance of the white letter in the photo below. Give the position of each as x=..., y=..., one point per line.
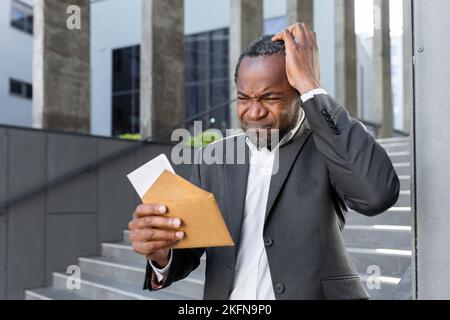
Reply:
x=216, y=148
x=73, y=281
x=181, y=153
x=373, y=281
x=74, y=20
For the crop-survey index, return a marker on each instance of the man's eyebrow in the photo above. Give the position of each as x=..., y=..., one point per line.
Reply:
x=263, y=95
x=271, y=93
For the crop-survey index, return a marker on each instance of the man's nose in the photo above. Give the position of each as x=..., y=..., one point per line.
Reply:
x=256, y=110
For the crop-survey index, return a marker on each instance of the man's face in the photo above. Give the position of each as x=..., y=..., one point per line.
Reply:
x=266, y=100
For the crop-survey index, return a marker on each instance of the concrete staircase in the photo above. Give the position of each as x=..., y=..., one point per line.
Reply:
x=383, y=241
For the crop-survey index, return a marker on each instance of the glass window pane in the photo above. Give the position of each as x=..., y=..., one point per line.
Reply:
x=206, y=76
x=22, y=16
x=122, y=69
x=15, y=87
x=121, y=114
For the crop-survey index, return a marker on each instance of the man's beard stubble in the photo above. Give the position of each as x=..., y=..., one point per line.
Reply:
x=269, y=138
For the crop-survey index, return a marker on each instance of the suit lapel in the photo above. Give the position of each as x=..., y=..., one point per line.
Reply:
x=287, y=155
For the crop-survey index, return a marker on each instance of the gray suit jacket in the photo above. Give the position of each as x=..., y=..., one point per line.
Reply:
x=332, y=163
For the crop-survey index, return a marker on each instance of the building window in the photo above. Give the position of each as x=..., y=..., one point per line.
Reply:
x=207, y=79
x=22, y=16
x=20, y=89
x=125, y=90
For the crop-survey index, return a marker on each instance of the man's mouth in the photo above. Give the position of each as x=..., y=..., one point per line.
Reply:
x=258, y=126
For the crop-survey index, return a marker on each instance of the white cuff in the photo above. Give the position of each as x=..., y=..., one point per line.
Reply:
x=310, y=94
x=161, y=274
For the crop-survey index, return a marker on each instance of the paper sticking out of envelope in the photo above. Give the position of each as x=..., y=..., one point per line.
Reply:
x=202, y=221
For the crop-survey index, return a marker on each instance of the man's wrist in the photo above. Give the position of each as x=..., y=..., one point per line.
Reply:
x=305, y=86
x=310, y=94
x=161, y=263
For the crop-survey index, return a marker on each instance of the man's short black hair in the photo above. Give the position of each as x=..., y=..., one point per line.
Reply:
x=263, y=46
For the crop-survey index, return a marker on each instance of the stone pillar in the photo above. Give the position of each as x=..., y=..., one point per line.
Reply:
x=382, y=69
x=346, y=56
x=246, y=25
x=407, y=64
x=300, y=11
x=61, y=65
x=162, y=91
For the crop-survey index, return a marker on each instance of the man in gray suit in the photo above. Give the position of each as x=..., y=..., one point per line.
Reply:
x=287, y=226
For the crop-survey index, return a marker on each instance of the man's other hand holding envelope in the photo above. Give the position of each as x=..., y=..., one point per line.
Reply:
x=174, y=214
x=152, y=234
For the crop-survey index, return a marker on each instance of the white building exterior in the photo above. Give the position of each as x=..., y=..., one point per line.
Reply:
x=15, y=63
x=117, y=24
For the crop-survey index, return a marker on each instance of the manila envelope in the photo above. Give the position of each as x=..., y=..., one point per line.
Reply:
x=202, y=221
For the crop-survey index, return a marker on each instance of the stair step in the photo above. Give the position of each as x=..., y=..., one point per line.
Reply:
x=134, y=274
x=120, y=250
x=98, y=288
x=123, y=251
x=405, y=182
x=397, y=219
x=378, y=236
x=397, y=147
x=50, y=293
x=402, y=168
x=394, y=140
x=399, y=156
x=404, y=199
x=392, y=210
x=385, y=289
x=392, y=262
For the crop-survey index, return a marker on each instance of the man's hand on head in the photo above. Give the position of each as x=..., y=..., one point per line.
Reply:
x=302, y=57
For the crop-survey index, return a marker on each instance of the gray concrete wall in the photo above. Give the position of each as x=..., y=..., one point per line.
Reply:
x=50, y=230
x=431, y=120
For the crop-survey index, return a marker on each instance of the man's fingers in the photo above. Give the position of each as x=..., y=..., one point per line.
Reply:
x=299, y=31
x=314, y=36
x=149, y=209
x=146, y=235
x=300, y=34
x=309, y=36
x=278, y=37
x=288, y=39
x=157, y=222
x=306, y=27
x=285, y=36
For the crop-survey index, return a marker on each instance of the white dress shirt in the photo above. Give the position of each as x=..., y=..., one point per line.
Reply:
x=252, y=279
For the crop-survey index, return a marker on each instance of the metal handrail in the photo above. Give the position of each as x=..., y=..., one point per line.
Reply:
x=116, y=155
x=377, y=127
x=97, y=163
